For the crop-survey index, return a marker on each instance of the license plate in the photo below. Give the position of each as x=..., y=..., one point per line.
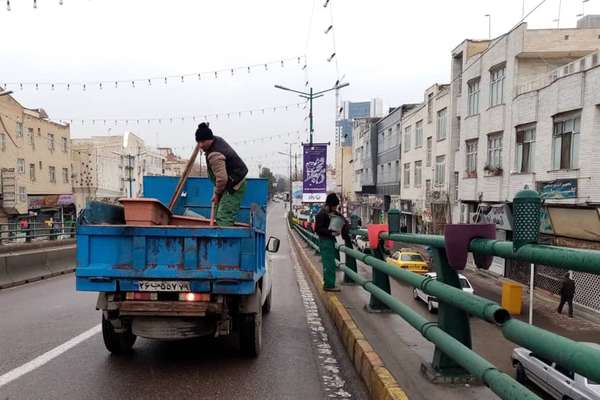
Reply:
x=164, y=286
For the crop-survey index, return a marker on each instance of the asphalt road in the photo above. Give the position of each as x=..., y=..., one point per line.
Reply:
x=47, y=315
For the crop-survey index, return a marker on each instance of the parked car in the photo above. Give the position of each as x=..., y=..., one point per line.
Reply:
x=409, y=260
x=431, y=301
x=361, y=243
x=557, y=381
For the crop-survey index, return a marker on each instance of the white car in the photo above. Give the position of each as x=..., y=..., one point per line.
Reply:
x=554, y=379
x=362, y=243
x=431, y=301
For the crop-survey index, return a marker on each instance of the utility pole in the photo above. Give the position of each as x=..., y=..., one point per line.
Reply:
x=310, y=96
x=130, y=169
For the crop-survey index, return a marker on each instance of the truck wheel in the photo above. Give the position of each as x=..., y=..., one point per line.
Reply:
x=117, y=343
x=430, y=306
x=251, y=333
x=266, y=308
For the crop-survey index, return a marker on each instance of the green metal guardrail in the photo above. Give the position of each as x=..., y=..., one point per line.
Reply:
x=451, y=334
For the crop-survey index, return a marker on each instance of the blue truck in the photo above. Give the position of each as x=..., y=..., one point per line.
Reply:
x=175, y=282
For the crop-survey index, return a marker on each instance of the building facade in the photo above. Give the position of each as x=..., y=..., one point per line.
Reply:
x=519, y=103
x=364, y=166
x=425, y=175
x=111, y=167
x=35, y=163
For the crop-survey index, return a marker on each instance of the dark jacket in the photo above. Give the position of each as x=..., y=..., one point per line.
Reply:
x=567, y=290
x=322, y=221
x=235, y=167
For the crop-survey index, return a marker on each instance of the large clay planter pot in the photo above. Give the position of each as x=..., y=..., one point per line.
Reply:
x=145, y=212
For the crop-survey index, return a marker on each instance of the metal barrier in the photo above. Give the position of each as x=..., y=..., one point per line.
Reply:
x=13, y=233
x=451, y=334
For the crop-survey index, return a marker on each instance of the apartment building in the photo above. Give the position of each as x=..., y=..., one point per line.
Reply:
x=35, y=163
x=364, y=166
x=426, y=174
x=110, y=167
x=524, y=113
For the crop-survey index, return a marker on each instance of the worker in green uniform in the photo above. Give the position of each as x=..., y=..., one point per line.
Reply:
x=228, y=173
x=327, y=241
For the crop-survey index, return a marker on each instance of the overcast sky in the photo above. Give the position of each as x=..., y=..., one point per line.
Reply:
x=390, y=49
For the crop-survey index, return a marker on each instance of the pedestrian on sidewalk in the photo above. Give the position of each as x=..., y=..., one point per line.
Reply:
x=327, y=241
x=567, y=292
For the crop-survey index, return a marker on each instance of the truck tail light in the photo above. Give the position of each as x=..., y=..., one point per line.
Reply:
x=194, y=296
x=141, y=296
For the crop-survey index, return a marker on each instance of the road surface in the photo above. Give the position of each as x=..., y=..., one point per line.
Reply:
x=50, y=348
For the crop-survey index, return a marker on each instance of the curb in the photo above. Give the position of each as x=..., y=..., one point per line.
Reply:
x=380, y=383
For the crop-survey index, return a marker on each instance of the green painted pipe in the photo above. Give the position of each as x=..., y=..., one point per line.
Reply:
x=310, y=242
x=500, y=383
x=572, y=355
x=476, y=305
x=555, y=256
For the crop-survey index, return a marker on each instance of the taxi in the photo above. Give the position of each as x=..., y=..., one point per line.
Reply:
x=410, y=261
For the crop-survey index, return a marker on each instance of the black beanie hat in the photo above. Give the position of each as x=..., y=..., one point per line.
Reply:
x=332, y=200
x=203, y=132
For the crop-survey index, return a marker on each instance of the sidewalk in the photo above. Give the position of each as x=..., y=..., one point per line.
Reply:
x=584, y=326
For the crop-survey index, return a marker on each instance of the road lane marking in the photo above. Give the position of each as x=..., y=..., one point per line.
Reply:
x=48, y=356
x=328, y=364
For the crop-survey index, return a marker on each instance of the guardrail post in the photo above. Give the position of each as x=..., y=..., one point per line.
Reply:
x=451, y=320
x=380, y=279
x=350, y=261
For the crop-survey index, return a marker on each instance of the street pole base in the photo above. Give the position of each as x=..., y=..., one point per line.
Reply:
x=454, y=376
x=377, y=310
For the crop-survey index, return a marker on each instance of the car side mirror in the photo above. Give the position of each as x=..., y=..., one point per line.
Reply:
x=273, y=245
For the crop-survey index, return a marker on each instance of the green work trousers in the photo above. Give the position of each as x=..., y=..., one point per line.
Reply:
x=328, y=257
x=229, y=206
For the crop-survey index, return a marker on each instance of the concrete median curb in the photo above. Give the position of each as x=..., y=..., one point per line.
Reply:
x=24, y=266
x=380, y=383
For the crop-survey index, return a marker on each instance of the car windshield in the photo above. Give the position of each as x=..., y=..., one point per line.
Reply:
x=464, y=283
x=411, y=257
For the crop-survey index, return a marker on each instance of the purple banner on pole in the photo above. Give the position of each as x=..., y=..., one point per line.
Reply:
x=314, y=185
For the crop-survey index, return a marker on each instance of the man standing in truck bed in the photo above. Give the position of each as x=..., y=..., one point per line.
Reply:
x=228, y=173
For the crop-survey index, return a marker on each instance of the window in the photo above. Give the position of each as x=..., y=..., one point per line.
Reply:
x=397, y=171
x=51, y=142
x=471, y=158
x=2, y=142
x=428, y=157
x=65, y=174
x=22, y=194
x=564, y=371
x=565, y=142
x=407, y=175
x=524, y=159
x=411, y=257
x=455, y=175
x=457, y=140
x=494, y=155
x=407, y=139
x=440, y=170
x=32, y=172
x=52, y=174
x=496, y=86
x=429, y=107
x=20, y=166
x=398, y=134
x=31, y=137
x=473, y=98
x=442, y=122
x=65, y=144
x=419, y=134
x=418, y=173
x=19, y=129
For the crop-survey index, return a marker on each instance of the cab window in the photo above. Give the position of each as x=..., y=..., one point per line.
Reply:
x=545, y=361
x=464, y=283
x=411, y=257
x=564, y=371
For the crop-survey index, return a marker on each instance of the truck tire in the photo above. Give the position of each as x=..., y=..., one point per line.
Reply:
x=266, y=308
x=116, y=343
x=521, y=376
x=251, y=333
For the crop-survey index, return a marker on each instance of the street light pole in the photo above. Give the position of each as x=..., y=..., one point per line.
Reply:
x=310, y=96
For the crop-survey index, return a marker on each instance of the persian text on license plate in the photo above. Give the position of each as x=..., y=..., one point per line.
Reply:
x=164, y=286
